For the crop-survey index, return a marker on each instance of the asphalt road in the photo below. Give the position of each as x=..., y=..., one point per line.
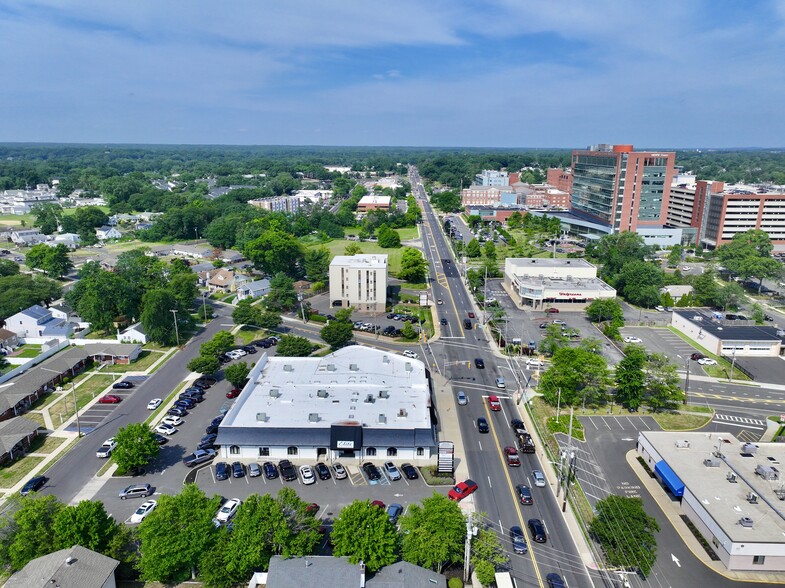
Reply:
x=454, y=354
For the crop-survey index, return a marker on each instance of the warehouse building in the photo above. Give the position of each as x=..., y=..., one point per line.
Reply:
x=731, y=491
x=355, y=404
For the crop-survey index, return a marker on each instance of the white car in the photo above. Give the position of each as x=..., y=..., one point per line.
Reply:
x=165, y=429
x=685, y=268
x=533, y=361
x=500, y=383
x=707, y=361
x=659, y=308
x=173, y=420
x=410, y=354
x=106, y=449
x=228, y=510
x=306, y=473
x=154, y=403
x=633, y=340
x=145, y=509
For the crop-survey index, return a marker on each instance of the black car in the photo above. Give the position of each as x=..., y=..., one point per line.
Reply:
x=372, y=471
x=207, y=445
x=194, y=390
x=238, y=471
x=269, y=470
x=482, y=425
x=209, y=380
x=288, y=472
x=122, y=385
x=223, y=358
x=201, y=384
x=322, y=471
x=443, y=321
x=537, y=530
x=409, y=471
x=208, y=438
x=193, y=396
x=390, y=315
x=524, y=494
x=217, y=420
x=177, y=411
x=262, y=343
x=543, y=325
x=33, y=485
x=222, y=470
x=211, y=429
x=517, y=425
x=186, y=403
x=467, y=324
x=249, y=349
x=161, y=439
x=479, y=364
x=555, y=581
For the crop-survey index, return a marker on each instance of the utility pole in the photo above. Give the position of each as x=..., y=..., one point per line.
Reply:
x=176, y=331
x=687, y=382
x=558, y=406
x=204, y=305
x=567, y=483
x=571, y=455
x=485, y=296
x=467, y=548
x=76, y=411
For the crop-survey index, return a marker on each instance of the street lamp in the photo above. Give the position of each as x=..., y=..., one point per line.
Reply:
x=300, y=300
x=76, y=411
x=176, y=331
x=204, y=305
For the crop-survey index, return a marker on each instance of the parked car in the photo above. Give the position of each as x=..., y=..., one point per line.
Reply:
x=539, y=478
x=122, y=385
x=493, y=403
x=518, y=540
x=185, y=403
x=110, y=399
x=154, y=403
x=160, y=439
x=409, y=471
x=306, y=473
x=482, y=425
x=198, y=456
x=340, y=471
x=177, y=411
x=136, y=491
x=707, y=361
x=463, y=400
x=173, y=420
x=659, y=308
x=462, y=490
x=250, y=349
x=633, y=340
x=537, y=530
x=165, y=429
x=543, y=325
x=322, y=471
x=479, y=363
x=696, y=356
x=558, y=322
x=228, y=510
x=222, y=471
x=270, y=471
x=392, y=472
x=144, y=509
x=372, y=471
x=394, y=511
x=233, y=393
x=288, y=472
x=238, y=471
x=552, y=310
x=33, y=485
x=106, y=448
x=524, y=494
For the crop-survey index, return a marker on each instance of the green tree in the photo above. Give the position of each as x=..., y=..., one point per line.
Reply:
x=282, y=295
x=639, y=282
x=352, y=249
x=636, y=547
x=731, y=296
x=136, y=446
x=617, y=250
x=604, y=309
x=275, y=251
x=246, y=314
x=473, y=249
x=27, y=533
x=408, y=332
x=489, y=251
x=757, y=314
x=748, y=255
x=293, y=346
x=184, y=289
x=515, y=221
x=662, y=387
x=433, y=533
x=157, y=318
x=221, y=342
x=270, y=320
x=317, y=264
x=204, y=364
x=364, y=532
x=237, y=373
x=21, y=291
x=582, y=376
x=674, y=257
x=388, y=238
x=553, y=340
x=487, y=554
x=177, y=534
x=705, y=289
x=630, y=377
x=8, y=268
x=102, y=298
x=52, y=260
x=47, y=217
x=337, y=333
x=413, y=266
x=86, y=524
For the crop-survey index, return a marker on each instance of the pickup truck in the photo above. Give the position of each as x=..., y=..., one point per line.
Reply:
x=198, y=456
x=106, y=449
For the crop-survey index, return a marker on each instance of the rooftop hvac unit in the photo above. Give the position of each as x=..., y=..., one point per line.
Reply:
x=354, y=367
x=752, y=498
x=331, y=367
x=408, y=367
x=749, y=448
x=682, y=444
x=275, y=392
x=322, y=394
x=402, y=413
x=711, y=462
x=384, y=394
x=288, y=367
x=385, y=359
x=731, y=477
x=382, y=418
x=767, y=472
x=313, y=417
x=261, y=417
x=370, y=399
x=746, y=522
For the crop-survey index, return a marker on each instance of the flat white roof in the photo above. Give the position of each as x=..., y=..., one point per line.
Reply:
x=724, y=501
x=361, y=260
x=546, y=262
x=355, y=383
x=374, y=199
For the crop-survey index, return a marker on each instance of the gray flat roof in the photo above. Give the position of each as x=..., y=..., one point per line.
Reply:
x=728, y=332
x=375, y=388
x=576, y=284
x=724, y=501
x=536, y=262
x=361, y=260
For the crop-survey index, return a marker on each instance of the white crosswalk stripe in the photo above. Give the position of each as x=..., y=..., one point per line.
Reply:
x=737, y=419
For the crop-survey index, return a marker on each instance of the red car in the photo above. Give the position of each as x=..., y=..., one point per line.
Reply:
x=378, y=504
x=470, y=314
x=233, y=393
x=552, y=310
x=493, y=403
x=109, y=399
x=462, y=490
x=511, y=454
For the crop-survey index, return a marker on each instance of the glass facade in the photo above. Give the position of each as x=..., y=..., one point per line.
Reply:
x=652, y=188
x=593, y=184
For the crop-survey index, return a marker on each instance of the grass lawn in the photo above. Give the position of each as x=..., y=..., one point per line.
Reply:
x=411, y=286
x=28, y=351
x=35, y=416
x=155, y=347
x=15, y=472
x=63, y=407
x=408, y=233
x=338, y=246
x=46, y=444
x=145, y=360
x=674, y=421
x=248, y=333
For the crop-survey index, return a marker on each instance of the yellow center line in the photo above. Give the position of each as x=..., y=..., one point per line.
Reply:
x=511, y=487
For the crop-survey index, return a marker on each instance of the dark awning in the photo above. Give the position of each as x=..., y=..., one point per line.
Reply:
x=670, y=478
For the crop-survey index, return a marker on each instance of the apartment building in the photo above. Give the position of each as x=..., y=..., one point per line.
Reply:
x=278, y=203
x=490, y=177
x=359, y=281
x=740, y=208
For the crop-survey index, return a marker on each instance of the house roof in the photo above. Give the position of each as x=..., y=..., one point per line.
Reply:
x=402, y=574
x=36, y=311
x=6, y=334
x=137, y=327
x=256, y=285
x=14, y=430
x=76, y=567
x=322, y=571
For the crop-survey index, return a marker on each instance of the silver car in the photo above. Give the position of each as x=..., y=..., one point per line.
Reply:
x=463, y=400
x=339, y=471
x=539, y=478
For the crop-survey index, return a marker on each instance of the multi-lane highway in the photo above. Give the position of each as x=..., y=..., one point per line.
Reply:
x=454, y=355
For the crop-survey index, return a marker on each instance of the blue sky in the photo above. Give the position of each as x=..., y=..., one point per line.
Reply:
x=503, y=73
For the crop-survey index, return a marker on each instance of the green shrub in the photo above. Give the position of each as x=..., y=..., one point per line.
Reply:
x=454, y=583
x=318, y=318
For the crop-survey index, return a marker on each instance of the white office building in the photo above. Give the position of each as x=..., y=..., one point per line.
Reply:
x=359, y=281
x=355, y=404
x=566, y=284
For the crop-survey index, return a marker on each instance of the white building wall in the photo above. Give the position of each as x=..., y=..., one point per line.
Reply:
x=362, y=287
x=310, y=454
x=696, y=333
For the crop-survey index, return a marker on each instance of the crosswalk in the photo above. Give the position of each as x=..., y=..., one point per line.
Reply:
x=731, y=419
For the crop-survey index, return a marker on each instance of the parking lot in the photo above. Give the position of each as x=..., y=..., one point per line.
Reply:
x=92, y=418
x=661, y=340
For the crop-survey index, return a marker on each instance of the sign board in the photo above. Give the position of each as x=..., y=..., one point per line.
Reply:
x=344, y=444
x=423, y=300
x=445, y=462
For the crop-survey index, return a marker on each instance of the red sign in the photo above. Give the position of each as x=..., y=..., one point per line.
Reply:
x=572, y=294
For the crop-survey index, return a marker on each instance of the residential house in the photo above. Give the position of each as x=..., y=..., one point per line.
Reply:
x=63, y=310
x=27, y=237
x=253, y=289
x=194, y=251
x=8, y=339
x=113, y=353
x=38, y=321
x=75, y=567
x=133, y=334
x=106, y=232
x=218, y=280
x=16, y=436
x=70, y=240
x=231, y=256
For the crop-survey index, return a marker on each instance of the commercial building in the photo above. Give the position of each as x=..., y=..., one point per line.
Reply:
x=485, y=195
x=622, y=188
x=374, y=202
x=567, y=284
x=355, y=404
x=728, y=337
x=491, y=177
x=561, y=179
x=359, y=281
x=739, y=208
x=731, y=491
